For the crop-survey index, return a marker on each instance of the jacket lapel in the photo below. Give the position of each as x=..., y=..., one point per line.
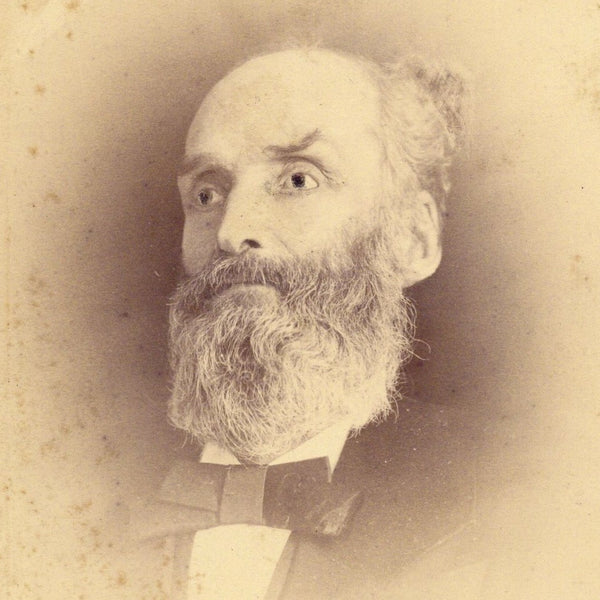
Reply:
x=418, y=483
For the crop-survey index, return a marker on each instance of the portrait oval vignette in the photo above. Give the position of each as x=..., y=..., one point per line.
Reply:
x=419, y=306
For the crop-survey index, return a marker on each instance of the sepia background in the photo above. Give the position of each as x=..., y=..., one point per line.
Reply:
x=96, y=101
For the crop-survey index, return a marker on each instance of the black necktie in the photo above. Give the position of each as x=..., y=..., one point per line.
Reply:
x=296, y=496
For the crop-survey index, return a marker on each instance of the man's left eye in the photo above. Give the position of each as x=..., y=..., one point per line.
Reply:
x=299, y=181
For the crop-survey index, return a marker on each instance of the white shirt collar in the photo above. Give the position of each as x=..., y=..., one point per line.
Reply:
x=329, y=442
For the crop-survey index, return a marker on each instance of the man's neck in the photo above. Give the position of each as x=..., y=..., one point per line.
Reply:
x=329, y=442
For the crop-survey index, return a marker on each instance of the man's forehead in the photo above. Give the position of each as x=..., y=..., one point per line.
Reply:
x=278, y=99
x=313, y=142
x=302, y=70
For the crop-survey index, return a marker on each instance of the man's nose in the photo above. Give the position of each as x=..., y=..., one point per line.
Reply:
x=245, y=222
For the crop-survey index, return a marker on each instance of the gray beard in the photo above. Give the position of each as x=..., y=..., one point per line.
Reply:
x=267, y=353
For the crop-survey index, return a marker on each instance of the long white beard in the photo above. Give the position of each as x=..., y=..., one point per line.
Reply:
x=266, y=354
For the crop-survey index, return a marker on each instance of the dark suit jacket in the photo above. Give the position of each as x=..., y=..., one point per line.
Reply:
x=413, y=536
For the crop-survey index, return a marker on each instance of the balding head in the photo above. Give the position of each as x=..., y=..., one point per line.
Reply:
x=280, y=97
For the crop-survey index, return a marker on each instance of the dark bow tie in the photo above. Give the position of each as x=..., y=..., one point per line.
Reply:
x=298, y=496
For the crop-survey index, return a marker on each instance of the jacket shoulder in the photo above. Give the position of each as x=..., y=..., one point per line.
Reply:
x=416, y=473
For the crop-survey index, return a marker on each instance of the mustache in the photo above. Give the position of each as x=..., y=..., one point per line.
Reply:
x=224, y=272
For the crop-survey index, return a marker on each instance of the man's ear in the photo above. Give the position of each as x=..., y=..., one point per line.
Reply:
x=425, y=249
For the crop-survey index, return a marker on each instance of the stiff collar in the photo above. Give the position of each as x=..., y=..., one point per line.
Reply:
x=329, y=442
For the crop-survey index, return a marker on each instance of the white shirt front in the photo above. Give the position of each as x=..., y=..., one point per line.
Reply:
x=237, y=562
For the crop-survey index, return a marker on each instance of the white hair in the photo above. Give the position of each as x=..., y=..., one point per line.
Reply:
x=422, y=121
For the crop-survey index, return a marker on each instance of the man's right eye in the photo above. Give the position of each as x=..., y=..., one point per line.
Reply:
x=208, y=196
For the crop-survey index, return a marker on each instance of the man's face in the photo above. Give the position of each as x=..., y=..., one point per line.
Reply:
x=282, y=157
x=291, y=317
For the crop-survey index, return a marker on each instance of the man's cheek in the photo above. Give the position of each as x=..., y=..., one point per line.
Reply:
x=199, y=243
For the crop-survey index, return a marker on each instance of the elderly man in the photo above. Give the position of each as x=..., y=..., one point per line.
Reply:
x=313, y=187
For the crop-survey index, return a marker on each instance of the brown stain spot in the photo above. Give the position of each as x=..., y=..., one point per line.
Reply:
x=52, y=197
x=35, y=284
x=33, y=6
x=80, y=509
x=109, y=451
x=31, y=51
x=40, y=89
x=121, y=578
x=160, y=544
x=69, y=35
x=586, y=75
x=579, y=273
x=49, y=447
x=72, y=5
x=33, y=150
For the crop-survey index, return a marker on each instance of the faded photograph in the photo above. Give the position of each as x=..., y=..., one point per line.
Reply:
x=301, y=300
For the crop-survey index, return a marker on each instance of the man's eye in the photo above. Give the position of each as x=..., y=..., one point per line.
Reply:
x=299, y=181
x=208, y=196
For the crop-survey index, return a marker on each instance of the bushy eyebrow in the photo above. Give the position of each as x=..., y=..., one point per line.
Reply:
x=206, y=161
x=307, y=141
x=193, y=162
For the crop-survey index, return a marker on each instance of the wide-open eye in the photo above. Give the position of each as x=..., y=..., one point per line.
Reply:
x=208, y=196
x=299, y=180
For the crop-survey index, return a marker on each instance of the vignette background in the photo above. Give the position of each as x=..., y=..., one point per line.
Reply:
x=96, y=103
